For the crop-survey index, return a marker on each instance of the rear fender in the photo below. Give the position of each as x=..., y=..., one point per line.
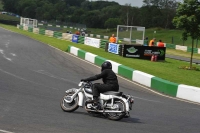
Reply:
x=127, y=104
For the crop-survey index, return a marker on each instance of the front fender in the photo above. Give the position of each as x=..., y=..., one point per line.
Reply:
x=80, y=95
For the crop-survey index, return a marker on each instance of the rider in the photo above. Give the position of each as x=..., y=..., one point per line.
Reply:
x=109, y=79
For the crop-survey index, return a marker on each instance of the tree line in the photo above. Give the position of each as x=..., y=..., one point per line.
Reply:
x=97, y=14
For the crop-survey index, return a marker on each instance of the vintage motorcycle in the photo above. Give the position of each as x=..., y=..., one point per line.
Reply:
x=112, y=105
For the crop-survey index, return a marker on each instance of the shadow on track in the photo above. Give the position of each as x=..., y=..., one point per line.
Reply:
x=125, y=120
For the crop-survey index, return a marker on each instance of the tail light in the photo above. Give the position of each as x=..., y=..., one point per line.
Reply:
x=131, y=100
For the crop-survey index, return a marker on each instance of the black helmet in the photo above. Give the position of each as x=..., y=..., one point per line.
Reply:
x=106, y=65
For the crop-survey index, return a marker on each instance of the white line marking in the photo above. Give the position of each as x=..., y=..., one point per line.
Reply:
x=52, y=76
x=2, y=52
x=4, y=131
x=13, y=54
x=25, y=79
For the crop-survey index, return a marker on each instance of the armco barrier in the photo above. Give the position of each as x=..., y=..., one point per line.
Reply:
x=42, y=31
x=81, y=54
x=21, y=27
x=103, y=43
x=98, y=36
x=142, y=78
x=164, y=86
x=67, y=36
x=91, y=35
x=189, y=93
x=36, y=30
x=126, y=72
x=49, y=33
x=57, y=34
x=169, y=88
x=81, y=39
x=30, y=29
x=115, y=66
x=99, y=60
x=25, y=28
x=172, y=46
x=195, y=50
x=179, y=47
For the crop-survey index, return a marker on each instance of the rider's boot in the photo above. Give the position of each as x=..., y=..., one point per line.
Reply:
x=95, y=104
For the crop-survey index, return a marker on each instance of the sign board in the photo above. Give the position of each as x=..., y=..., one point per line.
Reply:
x=142, y=52
x=75, y=38
x=92, y=42
x=113, y=48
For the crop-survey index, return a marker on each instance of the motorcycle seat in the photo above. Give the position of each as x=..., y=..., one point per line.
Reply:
x=115, y=93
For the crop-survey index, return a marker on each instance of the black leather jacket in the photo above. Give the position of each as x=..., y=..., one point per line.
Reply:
x=108, y=77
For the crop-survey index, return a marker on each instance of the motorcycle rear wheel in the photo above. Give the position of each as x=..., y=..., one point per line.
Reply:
x=69, y=107
x=118, y=116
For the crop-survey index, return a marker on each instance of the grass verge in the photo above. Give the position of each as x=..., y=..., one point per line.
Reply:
x=168, y=70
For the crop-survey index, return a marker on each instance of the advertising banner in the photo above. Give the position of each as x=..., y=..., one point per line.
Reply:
x=75, y=38
x=113, y=48
x=92, y=42
x=143, y=52
x=178, y=47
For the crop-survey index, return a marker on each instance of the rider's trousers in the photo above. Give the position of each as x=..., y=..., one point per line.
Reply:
x=101, y=88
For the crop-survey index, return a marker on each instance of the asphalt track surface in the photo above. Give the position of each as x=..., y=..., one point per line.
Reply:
x=34, y=77
x=195, y=61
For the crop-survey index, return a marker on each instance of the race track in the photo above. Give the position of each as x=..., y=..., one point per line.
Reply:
x=34, y=77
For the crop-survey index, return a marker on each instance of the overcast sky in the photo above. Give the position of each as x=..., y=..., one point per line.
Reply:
x=137, y=3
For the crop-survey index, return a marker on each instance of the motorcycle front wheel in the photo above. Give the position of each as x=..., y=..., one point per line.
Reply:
x=69, y=107
x=120, y=107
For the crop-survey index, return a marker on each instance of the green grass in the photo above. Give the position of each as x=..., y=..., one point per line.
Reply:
x=8, y=17
x=167, y=70
x=182, y=53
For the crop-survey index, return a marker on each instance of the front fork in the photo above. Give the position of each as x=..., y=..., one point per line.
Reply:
x=77, y=92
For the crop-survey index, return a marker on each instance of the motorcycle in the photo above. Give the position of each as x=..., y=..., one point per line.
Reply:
x=112, y=105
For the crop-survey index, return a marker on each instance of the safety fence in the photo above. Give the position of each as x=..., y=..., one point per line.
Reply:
x=87, y=40
x=62, y=25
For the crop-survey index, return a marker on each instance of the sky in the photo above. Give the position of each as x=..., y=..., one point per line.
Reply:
x=137, y=3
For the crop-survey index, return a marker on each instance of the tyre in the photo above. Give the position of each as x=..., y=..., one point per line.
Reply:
x=120, y=107
x=69, y=107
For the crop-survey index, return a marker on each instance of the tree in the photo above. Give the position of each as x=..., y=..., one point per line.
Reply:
x=92, y=18
x=188, y=19
x=112, y=22
x=10, y=5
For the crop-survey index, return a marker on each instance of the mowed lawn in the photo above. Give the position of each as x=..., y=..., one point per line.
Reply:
x=168, y=69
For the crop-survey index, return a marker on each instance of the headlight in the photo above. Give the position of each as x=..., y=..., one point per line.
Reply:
x=80, y=84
